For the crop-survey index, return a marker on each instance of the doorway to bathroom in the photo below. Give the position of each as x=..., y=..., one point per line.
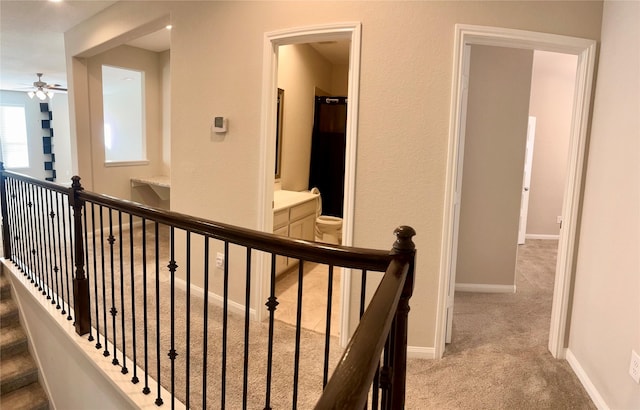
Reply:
x=318, y=44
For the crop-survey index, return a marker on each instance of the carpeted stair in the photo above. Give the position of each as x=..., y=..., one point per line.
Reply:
x=19, y=387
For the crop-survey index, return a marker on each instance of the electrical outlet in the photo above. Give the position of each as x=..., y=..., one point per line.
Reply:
x=220, y=260
x=634, y=367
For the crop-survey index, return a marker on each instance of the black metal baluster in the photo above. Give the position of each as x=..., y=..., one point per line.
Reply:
x=296, y=365
x=363, y=292
x=86, y=258
x=363, y=295
x=31, y=232
x=21, y=230
x=46, y=272
x=188, y=324
x=35, y=257
x=246, y=330
x=375, y=389
x=49, y=214
x=157, y=238
x=71, y=256
x=145, y=389
x=62, y=239
x=104, y=286
x=205, y=332
x=95, y=275
x=57, y=267
x=271, y=304
x=12, y=209
x=172, y=352
x=225, y=323
x=66, y=211
x=327, y=336
x=113, y=311
x=134, y=379
x=124, y=369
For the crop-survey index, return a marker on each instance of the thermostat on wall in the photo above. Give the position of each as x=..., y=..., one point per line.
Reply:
x=219, y=124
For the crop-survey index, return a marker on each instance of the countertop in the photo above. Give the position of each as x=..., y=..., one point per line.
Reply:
x=285, y=199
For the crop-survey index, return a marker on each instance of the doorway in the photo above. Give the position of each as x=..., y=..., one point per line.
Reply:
x=273, y=40
x=585, y=50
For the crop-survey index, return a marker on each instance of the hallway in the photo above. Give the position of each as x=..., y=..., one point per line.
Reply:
x=498, y=357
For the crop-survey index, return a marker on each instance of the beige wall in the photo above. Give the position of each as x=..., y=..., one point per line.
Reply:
x=300, y=70
x=552, y=92
x=404, y=107
x=115, y=180
x=496, y=131
x=605, y=322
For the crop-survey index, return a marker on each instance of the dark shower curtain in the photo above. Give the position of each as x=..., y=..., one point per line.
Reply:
x=328, y=145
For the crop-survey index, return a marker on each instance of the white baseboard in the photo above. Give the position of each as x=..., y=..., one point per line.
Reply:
x=481, y=288
x=541, y=236
x=586, y=381
x=417, y=352
x=197, y=291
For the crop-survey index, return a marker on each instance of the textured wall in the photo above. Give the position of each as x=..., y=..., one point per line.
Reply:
x=496, y=132
x=405, y=98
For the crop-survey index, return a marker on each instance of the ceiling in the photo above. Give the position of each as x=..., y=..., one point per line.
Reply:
x=32, y=40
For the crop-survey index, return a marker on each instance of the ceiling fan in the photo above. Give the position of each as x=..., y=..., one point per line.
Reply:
x=44, y=90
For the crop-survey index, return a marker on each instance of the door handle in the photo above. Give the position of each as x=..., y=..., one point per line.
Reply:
x=526, y=189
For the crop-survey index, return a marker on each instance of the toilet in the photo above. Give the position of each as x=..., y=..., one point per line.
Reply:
x=328, y=228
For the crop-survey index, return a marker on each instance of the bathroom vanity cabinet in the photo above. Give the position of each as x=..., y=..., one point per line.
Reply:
x=294, y=215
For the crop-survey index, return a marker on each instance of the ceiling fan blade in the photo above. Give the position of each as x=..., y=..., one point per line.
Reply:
x=55, y=87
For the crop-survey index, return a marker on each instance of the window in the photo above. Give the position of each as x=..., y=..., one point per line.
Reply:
x=123, y=110
x=14, y=149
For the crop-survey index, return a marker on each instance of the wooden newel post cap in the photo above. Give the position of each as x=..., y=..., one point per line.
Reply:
x=75, y=184
x=404, y=242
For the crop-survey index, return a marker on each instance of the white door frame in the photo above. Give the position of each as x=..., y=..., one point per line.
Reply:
x=272, y=40
x=585, y=50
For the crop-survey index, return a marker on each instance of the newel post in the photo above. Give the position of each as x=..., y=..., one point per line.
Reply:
x=80, y=281
x=6, y=238
x=404, y=248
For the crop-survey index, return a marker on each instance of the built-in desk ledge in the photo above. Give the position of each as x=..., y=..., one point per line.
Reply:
x=160, y=184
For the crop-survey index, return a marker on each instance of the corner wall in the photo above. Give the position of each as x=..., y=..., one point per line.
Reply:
x=495, y=137
x=605, y=322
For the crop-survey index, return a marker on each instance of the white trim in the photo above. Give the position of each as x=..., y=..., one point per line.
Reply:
x=266, y=178
x=586, y=381
x=419, y=352
x=482, y=288
x=215, y=299
x=585, y=50
x=135, y=163
x=541, y=236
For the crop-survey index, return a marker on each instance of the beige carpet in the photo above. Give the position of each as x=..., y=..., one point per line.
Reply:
x=498, y=358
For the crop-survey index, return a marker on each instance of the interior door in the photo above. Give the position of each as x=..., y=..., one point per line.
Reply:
x=458, y=190
x=526, y=180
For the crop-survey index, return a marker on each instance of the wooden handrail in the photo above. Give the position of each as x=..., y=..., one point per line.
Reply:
x=348, y=257
x=382, y=326
x=349, y=385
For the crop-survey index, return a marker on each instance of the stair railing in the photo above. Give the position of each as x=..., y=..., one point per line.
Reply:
x=51, y=246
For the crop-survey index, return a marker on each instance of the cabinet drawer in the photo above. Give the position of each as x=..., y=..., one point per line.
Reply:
x=280, y=218
x=302, y=210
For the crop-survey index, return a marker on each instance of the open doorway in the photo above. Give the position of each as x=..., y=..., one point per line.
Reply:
x=508, y=88
x=488, y=36
x=319, y=35
x=310, y=159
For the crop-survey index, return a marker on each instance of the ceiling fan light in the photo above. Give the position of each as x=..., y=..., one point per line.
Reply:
x=41, y=95
x=31, y=94
x=50, y=94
